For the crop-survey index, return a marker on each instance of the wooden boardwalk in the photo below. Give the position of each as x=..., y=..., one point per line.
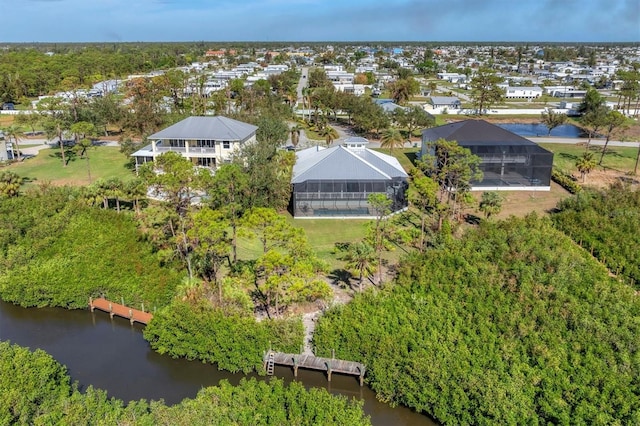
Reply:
x=311, y=362
x=133, y=315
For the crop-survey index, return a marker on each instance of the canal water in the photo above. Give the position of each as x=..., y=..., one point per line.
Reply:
x=537, y=129
x=112, y=355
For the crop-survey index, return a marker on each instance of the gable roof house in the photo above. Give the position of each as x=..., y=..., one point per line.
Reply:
x=335, y=182
x=523, y=92
x=206, y=141
x=388, y=105
x=508, y=161
x=445, y=101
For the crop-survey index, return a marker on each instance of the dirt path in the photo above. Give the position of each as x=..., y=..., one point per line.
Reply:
x=341, y=296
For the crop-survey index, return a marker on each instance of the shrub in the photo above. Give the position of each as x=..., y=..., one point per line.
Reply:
x=566, y=181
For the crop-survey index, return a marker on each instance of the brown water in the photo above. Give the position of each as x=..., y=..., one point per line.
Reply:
x=112, y=355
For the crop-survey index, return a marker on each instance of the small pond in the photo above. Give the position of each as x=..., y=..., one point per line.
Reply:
x=538, y=129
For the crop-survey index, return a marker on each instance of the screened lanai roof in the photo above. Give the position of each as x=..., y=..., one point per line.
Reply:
x=340, y=163
x=474, y=132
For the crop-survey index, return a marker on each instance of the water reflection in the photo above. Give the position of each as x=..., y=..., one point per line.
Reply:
x=537, y=129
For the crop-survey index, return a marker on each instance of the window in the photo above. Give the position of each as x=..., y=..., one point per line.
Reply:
x=226, y=144
x=206, y=162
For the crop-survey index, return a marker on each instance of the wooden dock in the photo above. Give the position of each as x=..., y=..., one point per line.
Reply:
x=133, y=315
x=311, y=362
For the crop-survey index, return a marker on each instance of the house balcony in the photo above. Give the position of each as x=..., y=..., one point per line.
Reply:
x=182, y=149
x=160, y=148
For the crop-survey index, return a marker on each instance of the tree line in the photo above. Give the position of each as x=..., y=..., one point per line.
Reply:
x=36, y=389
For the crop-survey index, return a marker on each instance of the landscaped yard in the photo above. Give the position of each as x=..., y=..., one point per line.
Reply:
x=323, y=234
x=621, y=159
x=105, y=162
x=406, y=157
x=521, y=203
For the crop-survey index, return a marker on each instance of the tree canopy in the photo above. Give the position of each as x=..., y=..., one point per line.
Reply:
x=514, y=323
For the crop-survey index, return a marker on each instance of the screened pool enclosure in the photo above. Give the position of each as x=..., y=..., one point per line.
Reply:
x=508, y=161
x=345, y=197
x=337, y=181
x=512, y=166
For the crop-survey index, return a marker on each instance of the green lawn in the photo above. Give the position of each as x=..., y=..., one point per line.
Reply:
x=406, y=157
x=323, y=234
x=105, y=162
x=617, y=158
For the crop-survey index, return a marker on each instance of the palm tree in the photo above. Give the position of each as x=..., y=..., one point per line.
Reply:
x=306, y=100
x=361, y=257
x=10, y=184
x=14, y=133
x=135, y=189
x=491, y=203
x=585, y=164
x=295, y=134
x=391, y=139
x=329, y=134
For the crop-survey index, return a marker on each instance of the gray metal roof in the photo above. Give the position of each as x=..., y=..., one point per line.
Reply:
x=340, y=163
x=391, y=106
x=444, y=100
x=216, y=128
x=356, y=140
x=473, y=132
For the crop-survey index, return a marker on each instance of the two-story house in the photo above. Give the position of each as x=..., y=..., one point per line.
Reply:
x=206, y=141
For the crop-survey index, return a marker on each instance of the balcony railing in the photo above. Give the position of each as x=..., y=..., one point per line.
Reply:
x=161, y=148
x=202, y=150
x=192, y=149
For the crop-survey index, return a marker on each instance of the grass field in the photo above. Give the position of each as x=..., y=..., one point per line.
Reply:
x=105, y=162
x=621, y=159
x=406, y=157
x=323, y=235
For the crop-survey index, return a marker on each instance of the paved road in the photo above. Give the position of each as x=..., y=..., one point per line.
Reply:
x=303, y=82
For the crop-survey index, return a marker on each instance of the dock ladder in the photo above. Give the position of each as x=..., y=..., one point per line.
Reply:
x=270, y=363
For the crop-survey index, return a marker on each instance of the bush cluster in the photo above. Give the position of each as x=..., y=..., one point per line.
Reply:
x=512, y=324
x=566, y=181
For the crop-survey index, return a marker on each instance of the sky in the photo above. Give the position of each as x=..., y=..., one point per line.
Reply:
x=320, y=20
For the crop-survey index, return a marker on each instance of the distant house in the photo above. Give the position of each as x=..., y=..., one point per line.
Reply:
x=355, y=89
x=206, y=141
x=218, y=53
x=508, y=161
x=336, y=182
x=445, y=102
x=388, y=105
x=523, y=92
x=452, y=77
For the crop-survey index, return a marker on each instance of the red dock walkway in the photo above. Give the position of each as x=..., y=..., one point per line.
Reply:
x=133, y=315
